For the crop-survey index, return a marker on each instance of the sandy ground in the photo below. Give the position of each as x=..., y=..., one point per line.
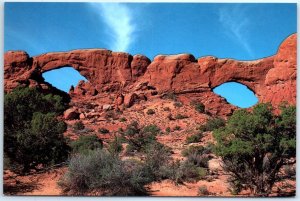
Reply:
x=35, y=184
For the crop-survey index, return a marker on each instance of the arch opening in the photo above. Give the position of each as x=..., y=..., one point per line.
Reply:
x=236, y=94
x=63, y=78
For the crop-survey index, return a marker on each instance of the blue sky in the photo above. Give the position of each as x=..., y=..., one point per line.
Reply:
x=239, y=31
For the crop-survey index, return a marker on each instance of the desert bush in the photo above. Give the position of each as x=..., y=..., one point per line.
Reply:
x=199, y=107
x=103, y=130
x=78, y=125
x=150, y=112
x=177, y=128
x=173, y=171
x=178, y=104
x=209, y=148
x=111, y=115
x=139, y=138
x=103, y=172
x=191, y=172
x=159, y=165
x=152, y=128
x=196, y=155
x=131, y=129
x=254, y=145
x=32, y=133
x=202, y=190
x=120, y=130
x=170, y=96
x=193, y=149
x=168, y=129
x=6, y=163
x=123, y=119
x=194, y=138
x=86, y=143
x=180, y=116
x=290, y=171
x=179, y=172
x=115, y=146
x=212, y=124
x=199, y=160
x=157, y=161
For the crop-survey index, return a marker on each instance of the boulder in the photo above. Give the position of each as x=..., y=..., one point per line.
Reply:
x=130, y=99
x=107, y=107
x=71, y=114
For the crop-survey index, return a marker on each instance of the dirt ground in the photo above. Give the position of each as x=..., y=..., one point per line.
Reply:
x=45, y=183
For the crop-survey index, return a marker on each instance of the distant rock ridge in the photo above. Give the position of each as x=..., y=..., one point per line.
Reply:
x=272, y=79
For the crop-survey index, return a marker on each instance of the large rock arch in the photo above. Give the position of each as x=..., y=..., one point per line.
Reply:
x=272, y=79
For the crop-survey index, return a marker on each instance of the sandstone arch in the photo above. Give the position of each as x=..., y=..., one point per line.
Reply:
x=273, y=79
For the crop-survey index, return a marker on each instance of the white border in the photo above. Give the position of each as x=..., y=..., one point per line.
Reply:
x=54, y=198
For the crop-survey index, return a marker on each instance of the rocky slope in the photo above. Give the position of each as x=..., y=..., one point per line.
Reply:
x=121, y=80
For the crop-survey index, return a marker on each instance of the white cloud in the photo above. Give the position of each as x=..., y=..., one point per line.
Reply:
x=119, y=20
x=236, y=24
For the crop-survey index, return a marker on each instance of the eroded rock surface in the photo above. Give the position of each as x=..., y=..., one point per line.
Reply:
x=126, y=78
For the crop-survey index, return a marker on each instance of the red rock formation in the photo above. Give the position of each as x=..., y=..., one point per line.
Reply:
x=272, y=79
x=130, y=99
x=280, y=83
x=71, y=114
x=17, y=69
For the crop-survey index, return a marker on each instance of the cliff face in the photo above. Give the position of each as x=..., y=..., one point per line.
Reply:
x=272, y=79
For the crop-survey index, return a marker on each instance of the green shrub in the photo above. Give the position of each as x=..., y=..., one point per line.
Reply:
x=78, y=125
x=290, y=171
x=199, y=160
x=6, y=163
x=115, y=146
x=157, y=161
x=180, y=116
x=159, y=165
x=192, y=173
x=203, y=190
x=86, y=143
x=194, y=138
x=193, y=149
x=150, y=112
x=173, y=171
x=123, y=119
x=197, y=155
x=103, y=130
x=212, y=124
x=254, y=144
x=139, y=138
x=32, y=133
x=132, y=129
x=177, y=128
x=152, y=128
x=178, y=104
x=111, y=115
x=103, y=172
x=170, y=96
x=199, y=107
x=168, y=129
